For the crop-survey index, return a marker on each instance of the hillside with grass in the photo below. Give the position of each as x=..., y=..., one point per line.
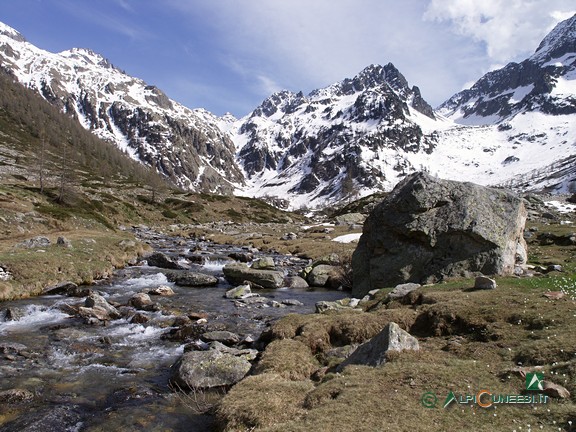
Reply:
x=58, y=180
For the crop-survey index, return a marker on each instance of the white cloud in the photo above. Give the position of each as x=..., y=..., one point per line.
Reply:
x=268, y=85
x=106, y=20
x=303, y=44
x=510, y=29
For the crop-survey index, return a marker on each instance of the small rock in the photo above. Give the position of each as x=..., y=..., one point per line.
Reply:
x=554, y=268
x=4, y=274
x=127, y=244
x=555, y=390
x=161, y=260
x=13, y=314
x=141, y=301
x=181, y=321
x=554, y=295
x=289, y=236
x=265, y=263
x=239, y=274
x=248, y=354
x=60, y=289
x=292, y=302
x=239, y=292
x=373, y=352
x=63, y=242
x=139, y=318
x=193, y=279
x=296, y=282
x=12, y=348
x=322, y=275
x=324, y=306
x=195, y=316
x=16, y=395
x=225, y=337
x=244, y=257
x=484, y=283
x=97, y=301
x=350, y=218
x=401, y=290
x=36, y=242
x=162, y=290
x=197, y=345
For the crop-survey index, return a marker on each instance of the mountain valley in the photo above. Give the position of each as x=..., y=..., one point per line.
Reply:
x=514, y=127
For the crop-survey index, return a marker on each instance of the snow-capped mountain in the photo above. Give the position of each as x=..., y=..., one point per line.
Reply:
x=186, y=145
x=515, y=127
x=335, y=141
x=544, y=82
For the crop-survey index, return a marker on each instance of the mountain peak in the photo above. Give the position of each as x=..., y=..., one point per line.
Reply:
x=6, y=30
x=374, y=76
x=87, y=56
x=560, y=41
x=283, y=101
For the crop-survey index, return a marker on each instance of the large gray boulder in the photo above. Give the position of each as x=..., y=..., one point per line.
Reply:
x=208, y=369
x=238, y=274
x=427, y=229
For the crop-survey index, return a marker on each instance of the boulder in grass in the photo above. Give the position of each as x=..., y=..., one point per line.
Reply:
x=484, y=283
x=401, y=290
x=428, y=229
x=200, y=370
x=374, y=351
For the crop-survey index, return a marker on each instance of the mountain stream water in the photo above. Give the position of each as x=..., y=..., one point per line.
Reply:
x=81, y=377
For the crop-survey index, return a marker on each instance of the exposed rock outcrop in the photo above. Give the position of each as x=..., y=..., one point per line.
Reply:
x=428, y=229
x=374, y=351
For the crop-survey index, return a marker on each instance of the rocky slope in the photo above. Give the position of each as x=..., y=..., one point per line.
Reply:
x=515, y=127
x=335, y=141
x=543, y=82
x=185, y=145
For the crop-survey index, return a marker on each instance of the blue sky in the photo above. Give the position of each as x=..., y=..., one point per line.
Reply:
x=229, y=55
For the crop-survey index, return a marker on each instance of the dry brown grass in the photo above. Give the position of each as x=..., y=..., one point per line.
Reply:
x=262, y=401
x=470, y=340
x=93, y=255
x=288, y=358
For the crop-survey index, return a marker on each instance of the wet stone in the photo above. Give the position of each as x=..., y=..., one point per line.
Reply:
x=225, y=337
x=193, y=279
x=15, y=396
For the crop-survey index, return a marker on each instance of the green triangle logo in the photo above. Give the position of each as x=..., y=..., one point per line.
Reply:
x=449, y=399
x=534, y=381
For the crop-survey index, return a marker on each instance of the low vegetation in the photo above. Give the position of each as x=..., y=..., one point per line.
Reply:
x=470, y=341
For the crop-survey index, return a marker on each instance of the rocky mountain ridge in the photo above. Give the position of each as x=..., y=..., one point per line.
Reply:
x=328, y=145
x=185, y=145
x=544, y=82
x=362, y=135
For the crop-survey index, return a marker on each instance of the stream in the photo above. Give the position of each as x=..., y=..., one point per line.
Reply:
x=73, y=376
